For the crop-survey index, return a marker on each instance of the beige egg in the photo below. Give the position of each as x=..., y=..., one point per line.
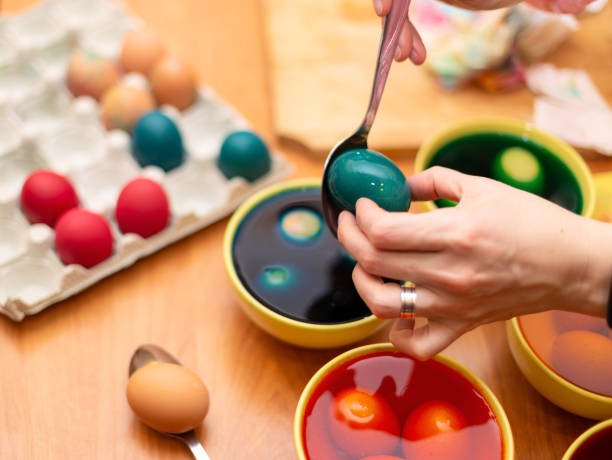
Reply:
x=141, y=50
x=123, y=105
x=584, y=358
x=168, y=397
x=90, y=74
x=173, y=82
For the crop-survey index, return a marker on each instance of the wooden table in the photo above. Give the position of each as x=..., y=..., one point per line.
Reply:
x=64, y=371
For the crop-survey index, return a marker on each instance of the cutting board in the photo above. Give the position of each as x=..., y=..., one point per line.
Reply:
x=322, y=55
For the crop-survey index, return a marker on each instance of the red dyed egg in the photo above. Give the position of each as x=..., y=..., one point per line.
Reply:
x=362, y=423
x=83, y=237
x=45, y=196
x=142, y=208
x=434, y=431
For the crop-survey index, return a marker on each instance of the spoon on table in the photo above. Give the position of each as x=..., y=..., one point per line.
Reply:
x=388, y=43
x=143, y=356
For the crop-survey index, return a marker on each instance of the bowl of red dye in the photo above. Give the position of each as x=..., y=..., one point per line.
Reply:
x=594, y=444
x=374, y=403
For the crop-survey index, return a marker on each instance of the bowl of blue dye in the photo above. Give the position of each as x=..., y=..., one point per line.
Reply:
x=513, y=152
x=292, y=277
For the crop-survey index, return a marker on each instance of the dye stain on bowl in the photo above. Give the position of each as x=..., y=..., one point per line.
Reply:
x=477, y=154
x=576, y=347
x=399, y=408
x=290, y=262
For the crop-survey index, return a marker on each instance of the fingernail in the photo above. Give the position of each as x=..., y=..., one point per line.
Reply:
x=378, y=7
x=414, y=55
x=398, y=53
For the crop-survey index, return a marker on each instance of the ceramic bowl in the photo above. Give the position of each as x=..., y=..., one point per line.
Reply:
x=366, y=351
x=587, y=436
x=551, y=385
x=525, y=131
x=287, y=329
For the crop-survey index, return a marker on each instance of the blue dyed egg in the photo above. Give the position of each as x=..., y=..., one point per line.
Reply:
x=244, y=154
x=362, y=173
x=156, y=141
x=301, y=225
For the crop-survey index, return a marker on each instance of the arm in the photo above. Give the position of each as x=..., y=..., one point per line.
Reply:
x=499, y=253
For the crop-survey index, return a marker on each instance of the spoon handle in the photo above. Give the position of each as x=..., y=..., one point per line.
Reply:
x=388, y=43
x=194, y=445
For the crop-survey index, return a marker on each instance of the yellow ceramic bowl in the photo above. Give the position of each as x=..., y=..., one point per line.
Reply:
x=298, y=423
x=289, y=330
x=585, y=437
x=551, y=385
x=517, y=128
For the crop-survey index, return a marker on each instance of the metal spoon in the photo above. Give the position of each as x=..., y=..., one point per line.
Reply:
x=388, y=43
x=143, y=355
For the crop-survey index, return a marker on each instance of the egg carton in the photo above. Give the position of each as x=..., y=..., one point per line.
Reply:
x=43, y=126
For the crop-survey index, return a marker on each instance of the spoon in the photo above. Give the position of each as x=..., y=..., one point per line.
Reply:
x=143, y=355
x=388, y=43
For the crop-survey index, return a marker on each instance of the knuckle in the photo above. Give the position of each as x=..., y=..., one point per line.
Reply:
x=370, y=261
x=379, y=233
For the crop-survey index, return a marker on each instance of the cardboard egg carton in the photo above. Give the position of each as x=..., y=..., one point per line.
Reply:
x=43, y=126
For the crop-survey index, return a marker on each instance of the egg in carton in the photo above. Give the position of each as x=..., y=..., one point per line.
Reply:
x=42, y=126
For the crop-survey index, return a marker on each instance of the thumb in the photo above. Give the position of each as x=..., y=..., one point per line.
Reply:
x=437, y=182
x=423, y=342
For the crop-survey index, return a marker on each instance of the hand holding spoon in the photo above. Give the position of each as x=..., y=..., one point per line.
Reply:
x=390, y=36
x=190, y=403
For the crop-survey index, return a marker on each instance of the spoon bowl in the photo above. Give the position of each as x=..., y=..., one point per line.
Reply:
x=388, y=43
x=142, y=356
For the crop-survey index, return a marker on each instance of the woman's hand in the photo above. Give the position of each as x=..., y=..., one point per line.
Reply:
x=411, y=45
x=499, y=253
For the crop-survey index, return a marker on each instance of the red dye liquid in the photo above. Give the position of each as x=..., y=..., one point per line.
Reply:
x=596, y=447
x=440, y=412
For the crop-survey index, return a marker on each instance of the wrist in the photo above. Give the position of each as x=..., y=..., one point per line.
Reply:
x=593, y=276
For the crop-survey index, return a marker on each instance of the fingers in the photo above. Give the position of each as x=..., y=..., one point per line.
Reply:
x=383, y=299
x=382, y=7
x=437, y=182
x=418, y=53
x=402, y=231
x=423, y=342
x=404, y=44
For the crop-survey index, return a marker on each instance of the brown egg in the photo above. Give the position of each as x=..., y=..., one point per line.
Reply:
x=90, y=74
x=173, y=82
x=569, y=321
x=123, y=105
x=141, y=50
x=584, y=358
x=168, y=397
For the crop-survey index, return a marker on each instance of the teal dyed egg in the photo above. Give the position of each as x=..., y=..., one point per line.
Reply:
x=156, y=141
x=362, y=173
x=244, y=154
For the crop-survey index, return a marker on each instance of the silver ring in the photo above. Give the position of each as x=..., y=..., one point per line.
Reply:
x=408, y=302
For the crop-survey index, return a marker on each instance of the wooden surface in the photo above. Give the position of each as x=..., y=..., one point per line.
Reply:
x=64, y=371
x=322, y=57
